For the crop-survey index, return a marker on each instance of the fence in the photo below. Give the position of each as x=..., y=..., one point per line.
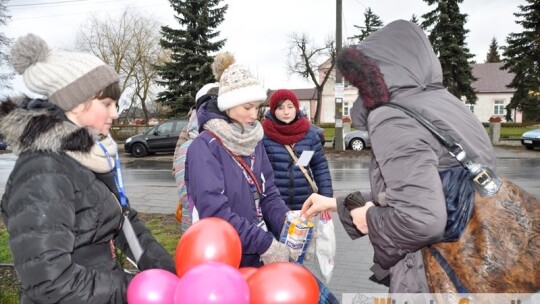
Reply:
x=121, y=133
x=511, y=130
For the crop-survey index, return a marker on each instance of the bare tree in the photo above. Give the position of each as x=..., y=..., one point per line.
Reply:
x=5, y=42
x=130, y=44
x=305, y=58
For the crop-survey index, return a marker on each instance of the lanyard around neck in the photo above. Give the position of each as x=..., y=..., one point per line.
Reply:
x=239, y=160
x=118, y=176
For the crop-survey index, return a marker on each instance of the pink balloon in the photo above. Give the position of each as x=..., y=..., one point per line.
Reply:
x=152, y=286
x=212, y=282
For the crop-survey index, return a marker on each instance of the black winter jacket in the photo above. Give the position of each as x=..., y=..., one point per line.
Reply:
x=63, y=219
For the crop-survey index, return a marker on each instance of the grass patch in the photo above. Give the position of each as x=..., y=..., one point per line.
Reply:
x=514, y=132
x=164, y=227
x=5, y=253
x=506, y=132
x=8, y=296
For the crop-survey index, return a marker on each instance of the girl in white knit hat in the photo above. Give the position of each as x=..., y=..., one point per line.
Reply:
x=64, y=204
x=228, y=174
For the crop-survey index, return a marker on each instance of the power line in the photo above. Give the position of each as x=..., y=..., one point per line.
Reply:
x=45, y=3
x=83, y=13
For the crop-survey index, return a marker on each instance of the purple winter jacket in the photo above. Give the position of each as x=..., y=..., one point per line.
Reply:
x=218, y=188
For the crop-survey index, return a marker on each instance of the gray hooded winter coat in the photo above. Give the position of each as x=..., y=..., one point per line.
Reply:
x=407, y=159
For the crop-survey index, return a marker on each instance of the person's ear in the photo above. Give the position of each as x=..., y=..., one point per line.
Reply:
x=78, y=109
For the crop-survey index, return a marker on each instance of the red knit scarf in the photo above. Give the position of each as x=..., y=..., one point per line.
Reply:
x=286, y=134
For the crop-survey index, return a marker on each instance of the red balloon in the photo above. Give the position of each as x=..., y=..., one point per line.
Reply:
x=247, y=271
x=208, y=240
x=283, y=283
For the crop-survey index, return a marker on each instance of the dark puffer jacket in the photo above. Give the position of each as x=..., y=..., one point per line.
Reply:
x=291, y=182
x=62, y=218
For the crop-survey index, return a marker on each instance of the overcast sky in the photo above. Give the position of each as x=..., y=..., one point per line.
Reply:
x=257, y=31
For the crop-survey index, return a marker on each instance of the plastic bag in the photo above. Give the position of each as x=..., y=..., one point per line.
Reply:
x=326, y=245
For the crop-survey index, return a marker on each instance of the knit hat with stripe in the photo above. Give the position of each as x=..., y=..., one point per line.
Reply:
x=67, y=79
x=236, y=84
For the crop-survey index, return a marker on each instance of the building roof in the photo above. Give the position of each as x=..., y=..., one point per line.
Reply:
x=491, y=79
x=302, y=94
x=136, y=113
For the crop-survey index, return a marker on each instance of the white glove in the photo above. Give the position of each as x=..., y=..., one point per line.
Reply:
x=277, y=252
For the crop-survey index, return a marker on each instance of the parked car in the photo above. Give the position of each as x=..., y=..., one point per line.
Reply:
x=3, y=145
x=531, y=139
x=160, y=138
x=356, y=140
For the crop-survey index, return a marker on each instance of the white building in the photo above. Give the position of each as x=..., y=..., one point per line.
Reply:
x=490, y=87
x=492, y=91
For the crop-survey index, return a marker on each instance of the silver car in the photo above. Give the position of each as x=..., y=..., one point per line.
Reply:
x=356, y=140
x=531, y=139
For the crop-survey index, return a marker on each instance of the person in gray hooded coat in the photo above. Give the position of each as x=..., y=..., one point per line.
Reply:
x=405, y=209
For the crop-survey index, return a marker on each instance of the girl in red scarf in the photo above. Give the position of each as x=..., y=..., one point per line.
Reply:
x=285, y=125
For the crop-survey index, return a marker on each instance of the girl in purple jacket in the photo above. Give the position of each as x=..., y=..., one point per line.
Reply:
x=228, y=174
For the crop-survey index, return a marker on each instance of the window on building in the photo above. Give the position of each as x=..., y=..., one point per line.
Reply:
x=470, y=106
x=498, y=108
x=346, y=108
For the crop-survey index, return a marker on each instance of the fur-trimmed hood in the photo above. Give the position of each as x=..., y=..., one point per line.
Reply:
x=392, y=63
x=37, y=125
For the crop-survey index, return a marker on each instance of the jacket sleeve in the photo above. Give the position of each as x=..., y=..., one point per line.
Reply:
x=154, y=255
x=319, y=169
x=346, y=218
x=182, y=138
x=41, y=223
x=206, y=186
x=273, y=207
x=416, y=212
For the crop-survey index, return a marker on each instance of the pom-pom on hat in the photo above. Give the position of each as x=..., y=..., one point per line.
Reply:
x=236, y=84
x=67, y=79
x=282, y=95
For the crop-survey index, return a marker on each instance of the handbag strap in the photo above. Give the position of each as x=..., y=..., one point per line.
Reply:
x=484, y=179
x=295, y=158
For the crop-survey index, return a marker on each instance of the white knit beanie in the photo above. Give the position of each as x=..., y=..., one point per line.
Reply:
x=67, y=79
x=236, y=84
x=204, y=90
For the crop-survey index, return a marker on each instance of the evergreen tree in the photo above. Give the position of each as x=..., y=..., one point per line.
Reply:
x=415, y=20
x=5, y=42
x=191, y=50
x=447, y=35
x=372, y=23
x=522, y=58
x=493, y=53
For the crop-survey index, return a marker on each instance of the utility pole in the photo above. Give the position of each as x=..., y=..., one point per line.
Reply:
x=339, y=86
